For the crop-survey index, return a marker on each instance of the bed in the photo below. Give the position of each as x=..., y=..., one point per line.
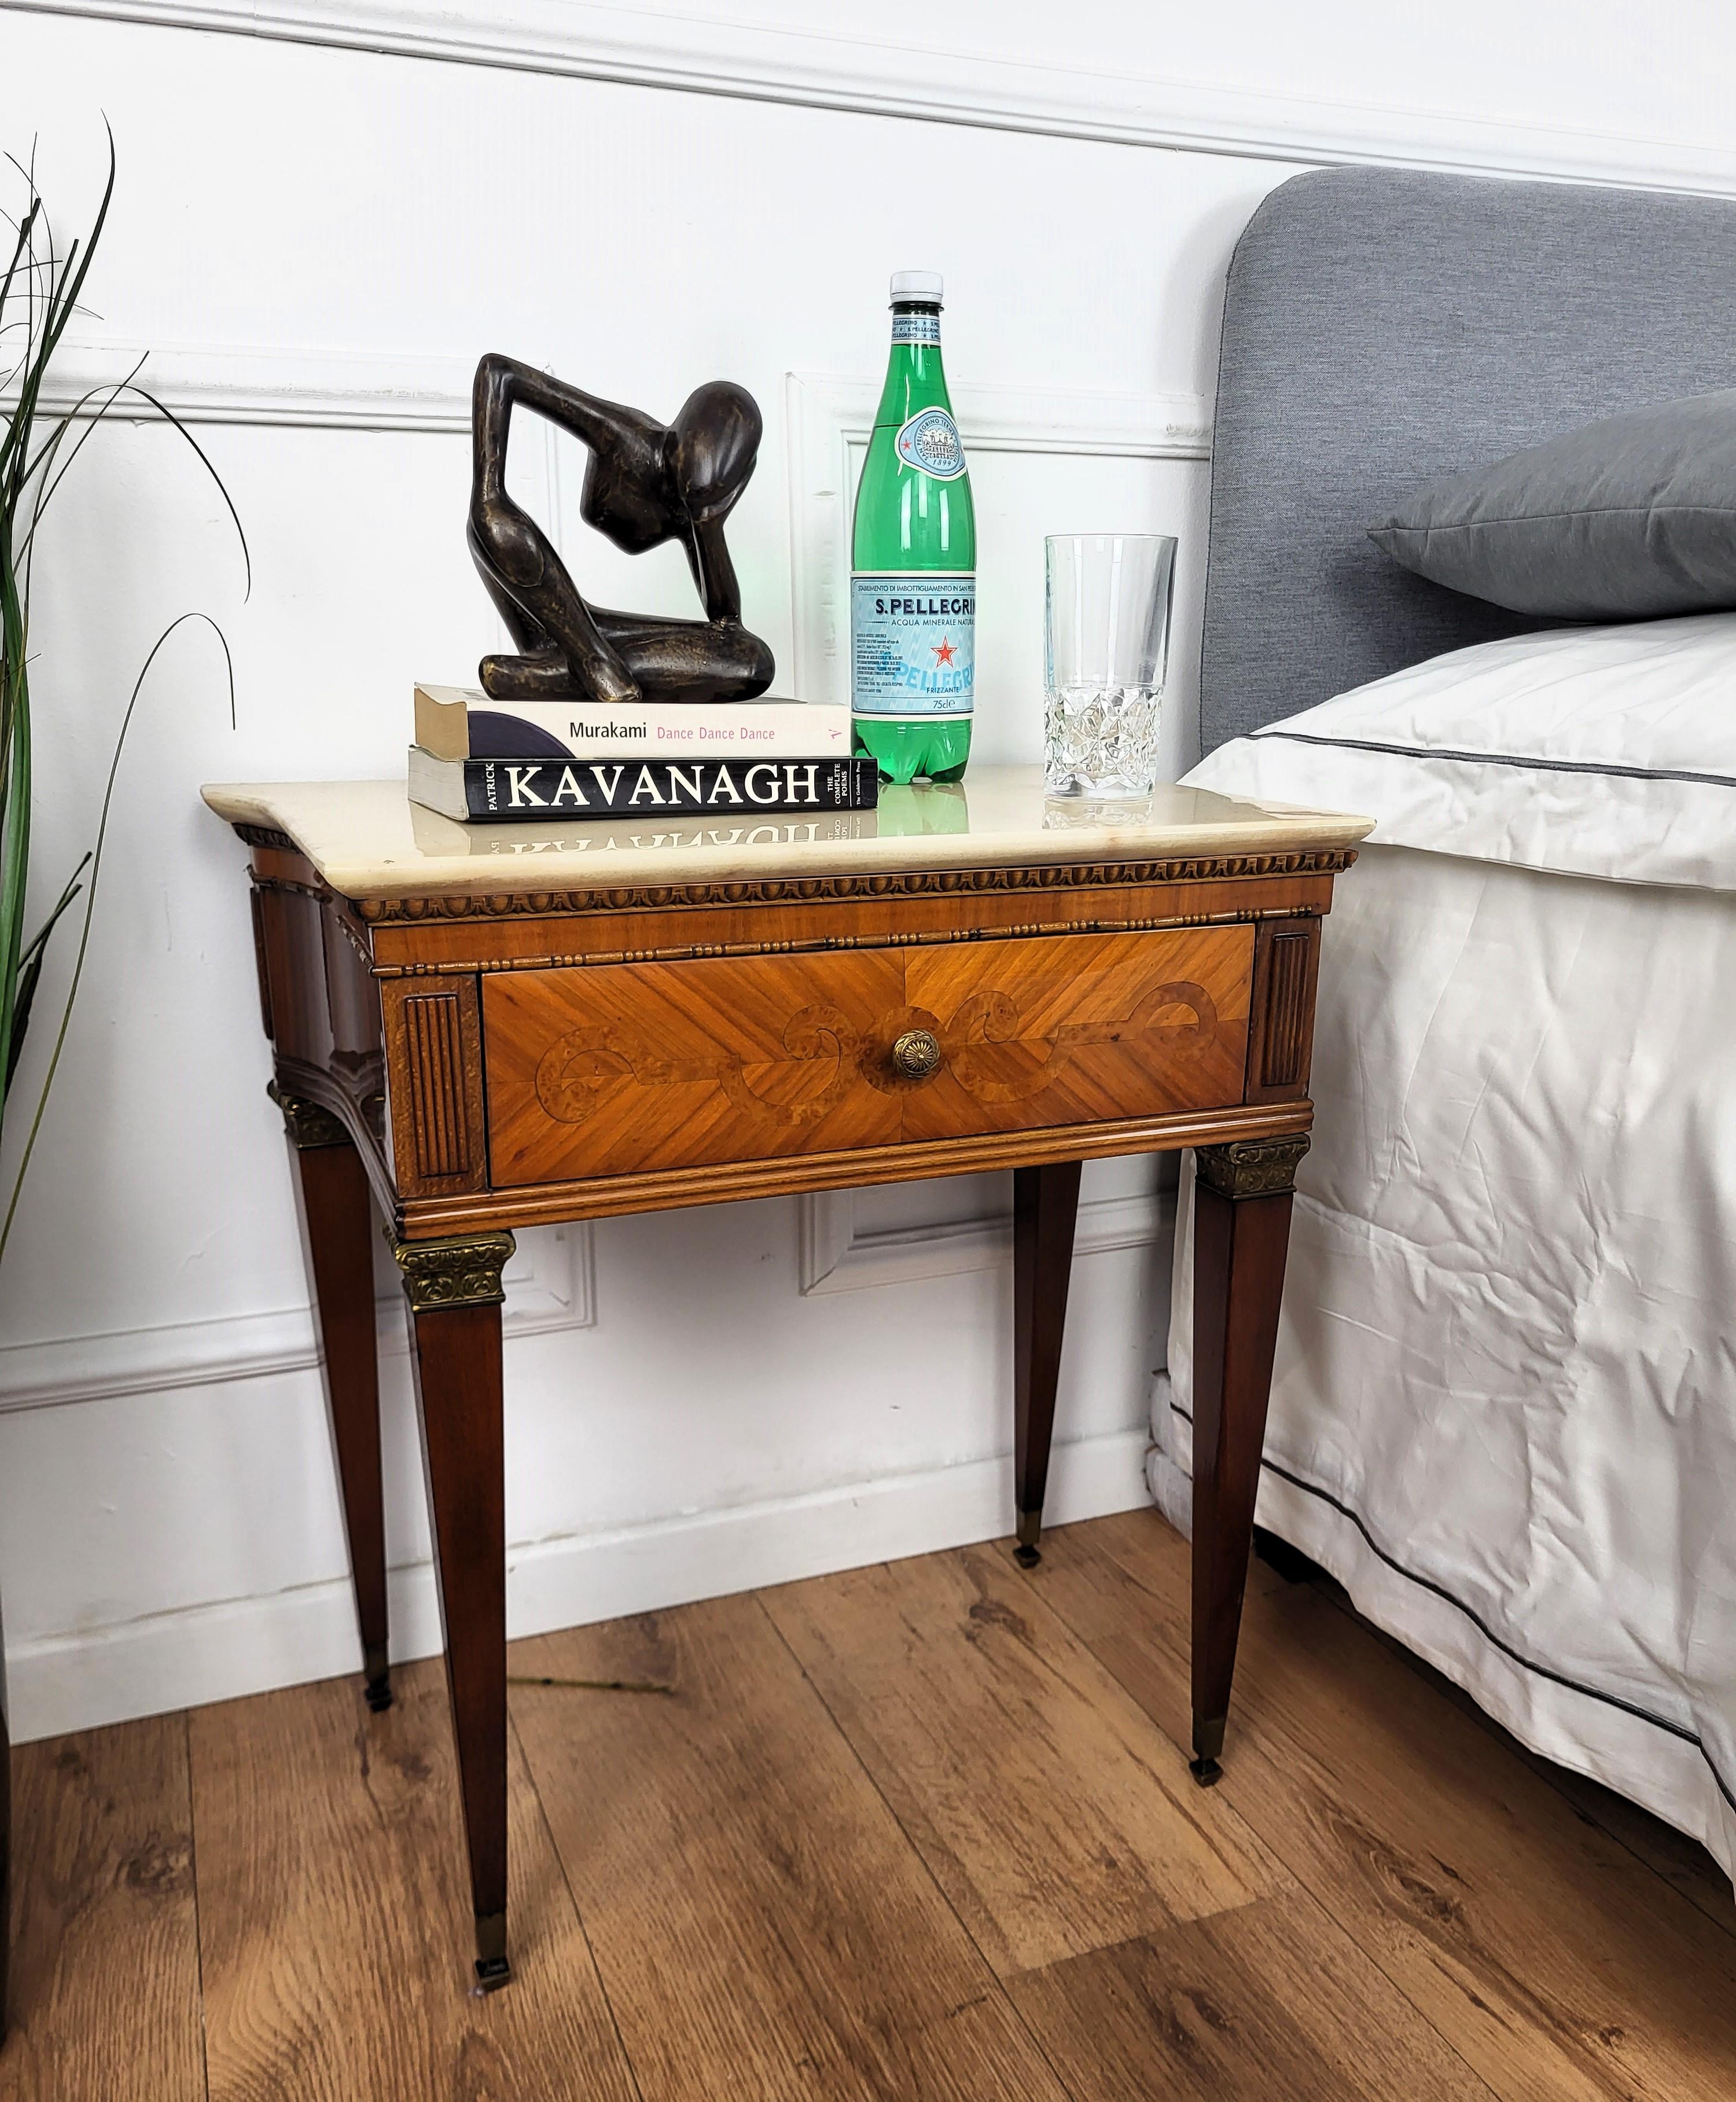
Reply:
x=1503, y=1412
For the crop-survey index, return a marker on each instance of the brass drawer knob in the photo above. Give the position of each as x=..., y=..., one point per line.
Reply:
x=917, y=1054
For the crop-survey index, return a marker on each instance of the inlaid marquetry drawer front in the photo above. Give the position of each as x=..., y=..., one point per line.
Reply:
x=621, y=1068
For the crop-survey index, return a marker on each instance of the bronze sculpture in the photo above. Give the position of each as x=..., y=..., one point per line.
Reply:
x=644, y=483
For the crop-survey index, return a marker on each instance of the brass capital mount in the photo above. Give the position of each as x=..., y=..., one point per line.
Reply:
x=1251, y=1166
x=307, y=1124
x=462, y=1272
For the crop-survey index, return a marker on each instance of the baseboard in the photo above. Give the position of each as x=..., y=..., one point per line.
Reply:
x=89, y=1678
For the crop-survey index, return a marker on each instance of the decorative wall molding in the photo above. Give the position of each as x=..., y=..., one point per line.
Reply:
x=835, y=1255
x=829, y=417
x=550, y=1284
x=164, y=1662
x=302, y=388
x=986, y=87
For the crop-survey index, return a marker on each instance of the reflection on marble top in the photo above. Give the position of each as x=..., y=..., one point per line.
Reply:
x=368, y=839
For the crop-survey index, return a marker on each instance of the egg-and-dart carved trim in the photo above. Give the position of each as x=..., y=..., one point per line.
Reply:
x=262, y=835
x=887, y=938
x=808, y=890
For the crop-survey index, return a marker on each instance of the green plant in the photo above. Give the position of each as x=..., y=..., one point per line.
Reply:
x=39, y=295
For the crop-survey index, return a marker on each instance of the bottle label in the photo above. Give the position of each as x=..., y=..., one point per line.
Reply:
x=930, y=440
x=917, y=328
x=913, y=642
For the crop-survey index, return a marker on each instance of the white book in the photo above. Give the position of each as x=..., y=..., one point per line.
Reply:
x=462, y=722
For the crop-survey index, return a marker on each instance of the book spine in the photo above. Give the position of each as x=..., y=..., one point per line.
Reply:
x=497, y=789
x=739, y=731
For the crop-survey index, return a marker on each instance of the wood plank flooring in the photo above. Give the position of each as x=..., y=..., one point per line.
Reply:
x=922, y=1832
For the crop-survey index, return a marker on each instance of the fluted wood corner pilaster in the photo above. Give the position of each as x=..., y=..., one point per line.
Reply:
x=1251, y=1166
x=465, y=1271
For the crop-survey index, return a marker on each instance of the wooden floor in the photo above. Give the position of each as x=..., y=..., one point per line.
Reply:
x=923, y=1830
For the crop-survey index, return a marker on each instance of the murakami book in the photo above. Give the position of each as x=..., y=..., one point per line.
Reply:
x=503, y=791
x=462, y=722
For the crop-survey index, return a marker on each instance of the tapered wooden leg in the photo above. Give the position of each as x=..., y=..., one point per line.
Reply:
x=1045, y=1204
x=455, y=1292
x=337, y=1226
x=1243, y=1196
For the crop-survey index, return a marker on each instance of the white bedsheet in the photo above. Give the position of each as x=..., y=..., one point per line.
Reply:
x=1504, y=1408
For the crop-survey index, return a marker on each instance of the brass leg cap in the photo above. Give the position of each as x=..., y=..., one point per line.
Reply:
x=492, y=1970
x=1030, y=1528
x=376, y=1672
x=1208, y=1746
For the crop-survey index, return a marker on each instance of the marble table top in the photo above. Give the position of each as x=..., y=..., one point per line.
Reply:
x=368, y=839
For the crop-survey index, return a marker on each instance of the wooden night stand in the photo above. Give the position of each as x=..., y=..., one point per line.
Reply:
x=491, y=1027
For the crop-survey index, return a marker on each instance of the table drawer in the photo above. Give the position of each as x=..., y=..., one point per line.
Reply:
x=620, y=1068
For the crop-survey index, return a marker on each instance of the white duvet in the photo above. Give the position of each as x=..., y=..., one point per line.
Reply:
x=1504, y=1408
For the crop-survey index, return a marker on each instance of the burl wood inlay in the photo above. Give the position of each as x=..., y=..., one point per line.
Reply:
x=742, y=1058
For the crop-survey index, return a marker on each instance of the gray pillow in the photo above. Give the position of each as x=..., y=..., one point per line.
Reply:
x=1632, y=517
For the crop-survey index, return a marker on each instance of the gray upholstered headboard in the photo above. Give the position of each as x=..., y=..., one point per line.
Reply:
x=1383, y=328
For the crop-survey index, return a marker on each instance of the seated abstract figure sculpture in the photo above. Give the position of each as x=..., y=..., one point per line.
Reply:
x=644, y=483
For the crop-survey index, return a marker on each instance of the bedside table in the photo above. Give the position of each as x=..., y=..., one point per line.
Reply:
x=495, y=1027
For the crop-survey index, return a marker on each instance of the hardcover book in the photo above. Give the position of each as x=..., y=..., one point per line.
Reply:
x=462, y=722
x=499, y=791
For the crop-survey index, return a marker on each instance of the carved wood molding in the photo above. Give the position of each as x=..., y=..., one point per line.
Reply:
x=1288, y=1009
x=794, y=1174
x=433, y=1046
x=682, y=952
x=868, y=883
x=262, y=835
x=433, y=1041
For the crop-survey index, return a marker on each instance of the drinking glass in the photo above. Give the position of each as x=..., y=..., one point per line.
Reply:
x=1106, y=649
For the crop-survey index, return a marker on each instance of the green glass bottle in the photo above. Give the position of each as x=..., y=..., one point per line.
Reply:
x=912, y=579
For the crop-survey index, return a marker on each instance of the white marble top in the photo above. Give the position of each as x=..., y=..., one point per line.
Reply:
x=368, y=839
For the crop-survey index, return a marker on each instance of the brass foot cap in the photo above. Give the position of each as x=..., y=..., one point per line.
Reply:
x=1027, y=1557
x=1029, y=1532
x=492, y=1970
x=376, y=1672
x=1208, y=1747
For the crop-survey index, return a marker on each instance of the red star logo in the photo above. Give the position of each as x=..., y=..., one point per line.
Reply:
x=944, y=652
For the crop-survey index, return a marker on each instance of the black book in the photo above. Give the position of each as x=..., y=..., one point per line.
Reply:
x=500, y=791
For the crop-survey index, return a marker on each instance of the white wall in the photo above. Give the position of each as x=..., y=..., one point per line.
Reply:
x=318, y=241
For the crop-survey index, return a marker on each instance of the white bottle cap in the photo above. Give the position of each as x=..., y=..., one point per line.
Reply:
x=924, y=284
